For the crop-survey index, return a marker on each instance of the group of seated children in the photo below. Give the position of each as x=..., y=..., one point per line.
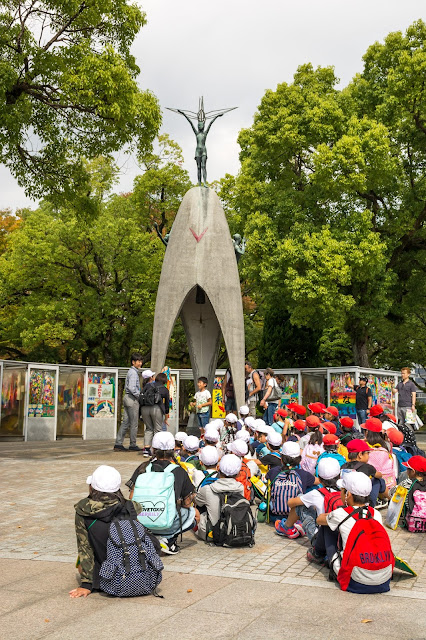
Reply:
x=316, y=476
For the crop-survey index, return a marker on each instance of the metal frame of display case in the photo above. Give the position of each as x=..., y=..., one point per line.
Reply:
x=44, y=367
x=111, y=423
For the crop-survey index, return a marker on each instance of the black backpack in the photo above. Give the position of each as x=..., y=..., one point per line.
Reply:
x=149, y=395
x=236, y=524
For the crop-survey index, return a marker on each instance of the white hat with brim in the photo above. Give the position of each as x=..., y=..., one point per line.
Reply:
x=328, y=468
x=164, y=441
x=356, y=482
x=180, y=436
x=211, y=434
x=230, y=465
x=105, y=479
x=239, y=447
x=209, y=456
x=291, y=449
x=244, y=410
x=191, y=443
x=231, y=418
x=274, y=438
x=243, y=435
x=147, y=374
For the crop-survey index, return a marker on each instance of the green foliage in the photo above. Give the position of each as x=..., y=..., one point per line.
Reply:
x=331, y=194
x=68, y=89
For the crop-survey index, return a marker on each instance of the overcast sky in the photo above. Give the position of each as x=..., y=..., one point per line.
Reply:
x=231, y=51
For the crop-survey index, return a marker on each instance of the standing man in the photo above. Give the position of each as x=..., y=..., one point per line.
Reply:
x=363, y=399
x=406, y=395
x=228, y=395
x=130, y=422
x=253, y=387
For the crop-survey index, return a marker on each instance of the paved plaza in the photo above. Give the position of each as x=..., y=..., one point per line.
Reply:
x=269, y=590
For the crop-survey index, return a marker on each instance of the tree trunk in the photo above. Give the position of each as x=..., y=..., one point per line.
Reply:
x=360, y=351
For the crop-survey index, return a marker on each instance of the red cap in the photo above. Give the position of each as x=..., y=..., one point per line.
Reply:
x=417, y=463
x=391, y=417
x=316, y=407
x=330, y=438
x=322, y=406
x=282, y=412
x=347, y=422
x=373, y=424
x=333, y=411
x=395, y=436
x=355, y=446
x=331, y=428
x=377, y=410
x=312, y=421
x=300, y=425
x=299, y=409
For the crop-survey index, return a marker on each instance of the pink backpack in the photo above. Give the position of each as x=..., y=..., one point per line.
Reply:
x=416, y=521
x=382, y=460
x=310, y=455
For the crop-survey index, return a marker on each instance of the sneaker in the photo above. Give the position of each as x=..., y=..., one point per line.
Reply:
x=134, y=448
x=168, y=546
x=381, y=503
x=119, y=447
x=288, y=532
x=299, y=527
x=146, y=452
x=311, y=556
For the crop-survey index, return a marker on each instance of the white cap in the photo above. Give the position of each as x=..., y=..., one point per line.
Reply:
x=356, y=482
x=147, y=374
x=387, y=425
x=239, y=447
x=232, y=418
x=164, y=441
x=249, y=422
x=230, y=465
x=260, y=426
x=209, y=456
x=328, y=467
x=211, y=434
x=191, y=443
x=217, y=424
x=291, y=449
x=244, y=410
x=105, y=479
x=242, y=435
x=180, y=436
x=274, y=439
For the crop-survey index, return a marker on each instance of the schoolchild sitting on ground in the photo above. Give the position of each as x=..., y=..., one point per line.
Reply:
x=229, y=429
x=211, y=436
x=273, y=444
x=240, y=449
x=209, y=457
x=296, y=412
x=261, y=432
x=313, y=424
x=330, y=443
x=93, y=518
x=415, y=510
x=287, y=481
x=380, y=456
x=317, y=409
x=297, y=431
x=306, y=507
x=397, y=438
x=279, y=419
x=331, y=414
x=362, y=563
x=243, y=413
x=359, y=454
x=189, y=450
x=348, y=431
x=179, y=438
x=329, y=427
x=182, y=516
x=312, y=450
x=207, y=498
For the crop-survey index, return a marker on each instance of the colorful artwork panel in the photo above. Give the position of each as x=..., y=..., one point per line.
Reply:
x=41, y=402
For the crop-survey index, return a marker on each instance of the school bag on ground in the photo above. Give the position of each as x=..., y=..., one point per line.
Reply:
x=155, y=491
x=286, y=485
x=236, y=524
x=367, y=547
x=332, y=499
x=415, y=517
x=396, y=507
x=149, y=396
x=132, y=566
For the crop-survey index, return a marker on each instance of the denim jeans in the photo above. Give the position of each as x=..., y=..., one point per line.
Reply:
x=203, y=419
x=308, y=518
x=268, y=416
x=361, y=415
x=230, y=405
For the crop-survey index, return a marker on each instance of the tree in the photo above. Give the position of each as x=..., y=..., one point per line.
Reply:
x=69, y=90
x=332, y=196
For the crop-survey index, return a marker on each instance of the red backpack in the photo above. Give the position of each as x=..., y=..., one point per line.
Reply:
x=244, y=478
x=332, y=499
x=367, y=547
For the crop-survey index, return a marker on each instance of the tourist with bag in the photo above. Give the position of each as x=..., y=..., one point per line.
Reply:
x=271, y=397
x=151, y=408
x=130, y=422
x=165, y=493
x=117, y=554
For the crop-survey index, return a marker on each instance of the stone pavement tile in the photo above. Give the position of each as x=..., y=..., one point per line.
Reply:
x=54, y=577
x=196, y=622
x=14, y=600
x=175, y=588
x=13, y=570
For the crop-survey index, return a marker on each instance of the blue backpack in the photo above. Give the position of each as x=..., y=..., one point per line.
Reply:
x=286, y=485
x=210, y=477
x=132, y=566
x=155, y=491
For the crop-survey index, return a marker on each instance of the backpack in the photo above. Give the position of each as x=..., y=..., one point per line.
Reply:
x=132, y=566
x=332, y=499
x=149, y=395
x=155, y=491
x=209, y=479
x=286, y=485
x=381, y=459
x=367, y=547
x=415, y=517
x=310, y=455
x=244, y=478
x=236, y=524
